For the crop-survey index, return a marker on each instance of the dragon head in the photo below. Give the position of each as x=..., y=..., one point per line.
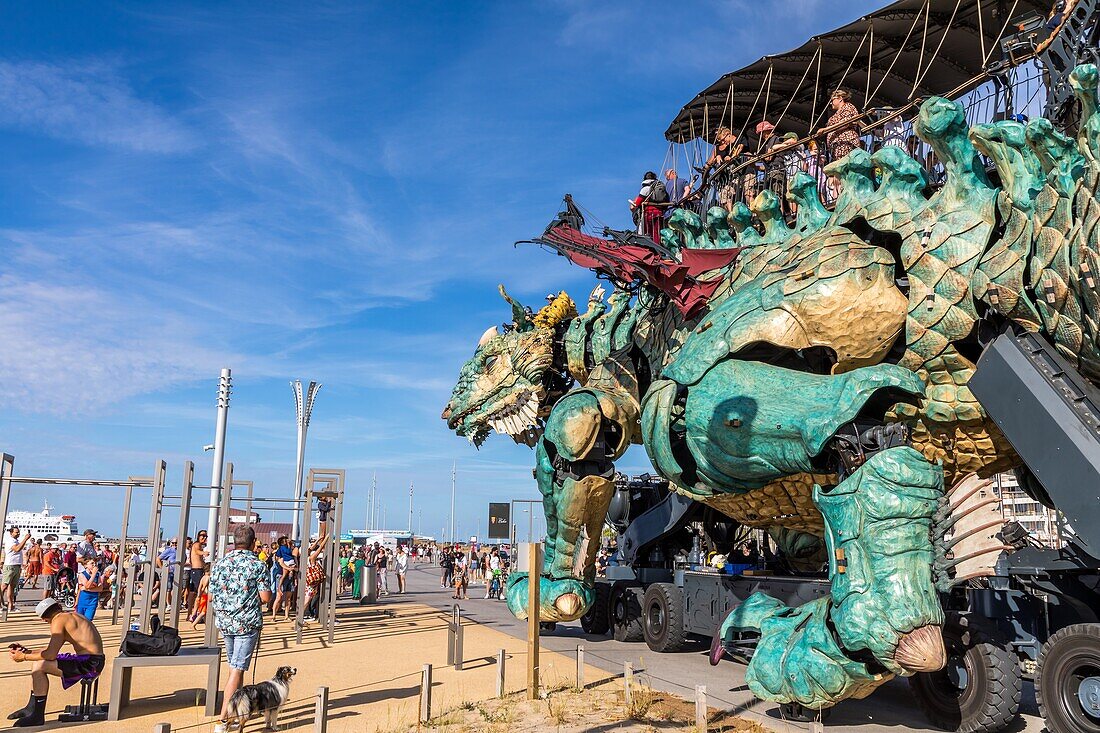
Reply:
x=509, y=383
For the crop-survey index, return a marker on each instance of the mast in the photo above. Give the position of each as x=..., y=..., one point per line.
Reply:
x=454, y=466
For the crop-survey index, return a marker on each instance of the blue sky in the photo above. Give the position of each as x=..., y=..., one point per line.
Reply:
x=327, y=191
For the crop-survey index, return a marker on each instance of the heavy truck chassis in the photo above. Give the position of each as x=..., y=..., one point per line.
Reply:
x=1037, y=619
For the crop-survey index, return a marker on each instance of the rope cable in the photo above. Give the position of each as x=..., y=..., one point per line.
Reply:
x=767, y=98
x=795, y=91
x=817, y=83
x=843, y=77
x=901, y=50
x=870, y=50
x=923, y=41
x=935, y=55
x=981, y=30
x=1004, y=27
x=754, y=103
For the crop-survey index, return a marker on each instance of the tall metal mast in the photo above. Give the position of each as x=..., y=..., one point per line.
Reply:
x=454, y=466
x=225, y=385
x=304, y=406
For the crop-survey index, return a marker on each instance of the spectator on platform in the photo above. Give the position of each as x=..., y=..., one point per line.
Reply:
x=675, y=187
x=842, y=138
x=645, y=209
x=238, y=589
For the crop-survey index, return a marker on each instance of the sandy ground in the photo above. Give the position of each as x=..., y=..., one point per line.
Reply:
x=372, y=671
x=600, y=707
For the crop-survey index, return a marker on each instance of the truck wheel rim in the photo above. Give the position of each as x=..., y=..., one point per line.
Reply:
x=1088, y=694
x=656, y=617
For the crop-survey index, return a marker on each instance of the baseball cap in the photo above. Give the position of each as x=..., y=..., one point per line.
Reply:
x=44, y=606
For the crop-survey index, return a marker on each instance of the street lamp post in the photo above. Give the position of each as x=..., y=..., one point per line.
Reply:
x=225, y=385
x=304, y=406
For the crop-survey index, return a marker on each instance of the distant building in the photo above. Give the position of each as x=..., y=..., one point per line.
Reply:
x=1016, y=506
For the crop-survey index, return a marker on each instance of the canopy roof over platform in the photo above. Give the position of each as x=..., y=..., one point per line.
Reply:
x=907, y=50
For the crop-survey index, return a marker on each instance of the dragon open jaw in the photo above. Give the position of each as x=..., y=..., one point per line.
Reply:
x=517, y=417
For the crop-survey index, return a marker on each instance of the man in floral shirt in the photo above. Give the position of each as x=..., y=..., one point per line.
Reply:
x=238, y=589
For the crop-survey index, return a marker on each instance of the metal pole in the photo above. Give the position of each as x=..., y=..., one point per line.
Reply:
x=701, y=708
x=580, y=666
x=7, y=468
x=304, y=405
x=225, y=384
x=426, y=694
x=410, y=508
x=628, y=687
x=454, y=468
x=181, y=546
x=120, y=561
x=534, y=562
x=320, y=712
x=500, y=673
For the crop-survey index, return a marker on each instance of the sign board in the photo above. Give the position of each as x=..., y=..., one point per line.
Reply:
x=499, y=520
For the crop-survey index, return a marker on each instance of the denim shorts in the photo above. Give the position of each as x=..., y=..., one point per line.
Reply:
x=239, y=649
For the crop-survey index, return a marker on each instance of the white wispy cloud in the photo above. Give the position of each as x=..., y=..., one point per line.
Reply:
x=86, y=102
x=73, y=348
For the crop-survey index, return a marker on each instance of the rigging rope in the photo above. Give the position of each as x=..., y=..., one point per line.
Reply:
x=870, y=50
x=1008, y=19
x=817, y=83
x=795, y=91
x=842, y=78
x=935, y=55
x=754, y=103
x=923, y=40
x=901, y=50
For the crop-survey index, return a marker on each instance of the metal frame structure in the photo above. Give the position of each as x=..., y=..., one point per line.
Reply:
x=320, y=483
x=154, y=482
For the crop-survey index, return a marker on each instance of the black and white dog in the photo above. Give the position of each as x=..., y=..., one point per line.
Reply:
x=266, y=697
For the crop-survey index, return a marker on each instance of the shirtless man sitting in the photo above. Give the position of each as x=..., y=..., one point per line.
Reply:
x=85, y=663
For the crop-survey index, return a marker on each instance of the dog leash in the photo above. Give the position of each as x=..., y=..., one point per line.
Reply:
x=256, y=654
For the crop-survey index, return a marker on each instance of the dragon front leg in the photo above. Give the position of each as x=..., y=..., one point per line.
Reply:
x=575, y=473
x=882, y=617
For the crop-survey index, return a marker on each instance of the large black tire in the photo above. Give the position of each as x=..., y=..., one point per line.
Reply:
x=663, y=618
x=626, y=613
x=1070, y=656
x=978, y=690
x=597, y=620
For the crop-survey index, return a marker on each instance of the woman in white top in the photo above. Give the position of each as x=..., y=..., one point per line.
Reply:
x=401, y=565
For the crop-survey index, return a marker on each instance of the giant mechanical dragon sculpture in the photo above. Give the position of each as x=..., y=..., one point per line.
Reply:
x=822, y=390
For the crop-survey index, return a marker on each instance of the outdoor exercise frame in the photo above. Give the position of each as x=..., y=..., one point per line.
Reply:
x=154, y=482
x=320, y=484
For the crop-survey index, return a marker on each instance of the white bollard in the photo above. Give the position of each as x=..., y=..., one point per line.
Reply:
x=701, y=708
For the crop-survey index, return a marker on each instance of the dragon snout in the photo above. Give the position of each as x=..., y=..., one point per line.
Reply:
x=446, y=412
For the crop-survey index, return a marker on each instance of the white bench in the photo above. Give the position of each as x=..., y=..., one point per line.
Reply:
x=188, y=657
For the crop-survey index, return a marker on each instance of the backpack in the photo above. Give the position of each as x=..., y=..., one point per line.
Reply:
x=163, y=642
x=658, y=194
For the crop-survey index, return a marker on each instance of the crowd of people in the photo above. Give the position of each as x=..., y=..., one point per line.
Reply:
x=459, y=568
x=735, y=173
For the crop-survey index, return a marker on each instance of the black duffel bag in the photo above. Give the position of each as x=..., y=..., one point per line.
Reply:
x=163, y=642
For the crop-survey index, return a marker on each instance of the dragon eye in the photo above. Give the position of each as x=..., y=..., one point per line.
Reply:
x=491, y=362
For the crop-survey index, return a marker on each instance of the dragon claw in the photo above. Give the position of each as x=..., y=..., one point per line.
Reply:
x=563, y=599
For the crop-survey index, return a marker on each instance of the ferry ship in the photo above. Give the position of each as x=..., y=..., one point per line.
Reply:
x=44, y=525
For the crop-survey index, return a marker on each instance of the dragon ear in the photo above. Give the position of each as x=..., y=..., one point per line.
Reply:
x=520, y=316
x=489, y=333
